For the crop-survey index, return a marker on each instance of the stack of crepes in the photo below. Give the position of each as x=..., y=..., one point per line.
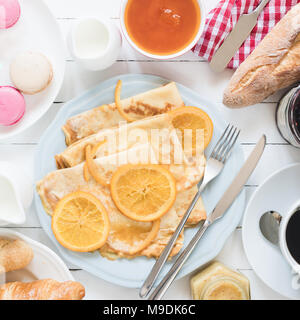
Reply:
x=146, y=111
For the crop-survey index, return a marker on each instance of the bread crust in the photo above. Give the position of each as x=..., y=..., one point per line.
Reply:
x=273, y=65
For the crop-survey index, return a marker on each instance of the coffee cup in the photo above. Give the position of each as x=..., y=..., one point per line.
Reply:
x=289, y=237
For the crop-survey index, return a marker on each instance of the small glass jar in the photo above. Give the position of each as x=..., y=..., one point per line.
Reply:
x=288, y=116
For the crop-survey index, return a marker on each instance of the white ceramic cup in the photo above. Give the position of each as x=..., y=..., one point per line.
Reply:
x=164, y=57
x=282, y=238
x=82, y=37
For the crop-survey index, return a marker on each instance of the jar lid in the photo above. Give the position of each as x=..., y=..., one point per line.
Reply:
x=224, y=288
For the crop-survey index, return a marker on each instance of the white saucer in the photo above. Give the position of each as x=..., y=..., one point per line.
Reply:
x=279, y=192
x=45, y=263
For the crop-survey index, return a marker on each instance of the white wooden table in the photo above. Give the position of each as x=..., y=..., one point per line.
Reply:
x=192, y=72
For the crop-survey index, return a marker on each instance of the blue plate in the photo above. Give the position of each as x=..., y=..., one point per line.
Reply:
x=132, y=273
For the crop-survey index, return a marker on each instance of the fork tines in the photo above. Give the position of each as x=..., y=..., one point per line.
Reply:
x=225, y=144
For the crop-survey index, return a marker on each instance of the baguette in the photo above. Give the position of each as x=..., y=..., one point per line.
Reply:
x=273, y=65
x=14, y=255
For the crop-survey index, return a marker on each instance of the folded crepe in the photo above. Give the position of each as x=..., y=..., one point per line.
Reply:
x=125, y=231
x=119, y=139
x=147, y=104
x=59, y=183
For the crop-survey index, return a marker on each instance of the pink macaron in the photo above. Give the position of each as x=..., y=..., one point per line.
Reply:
x=12, y=106
x=10, y=12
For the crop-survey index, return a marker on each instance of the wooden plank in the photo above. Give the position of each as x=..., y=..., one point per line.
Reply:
x=197, y=76
x=102, y=290
x=191, y=75
x=77, y=8
x=101, y=8
x=275, y=157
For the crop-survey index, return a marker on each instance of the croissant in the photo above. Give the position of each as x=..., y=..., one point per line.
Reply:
x=46, y=289
x=14, y=255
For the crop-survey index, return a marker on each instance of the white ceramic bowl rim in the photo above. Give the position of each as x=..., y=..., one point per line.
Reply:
x=170, y=56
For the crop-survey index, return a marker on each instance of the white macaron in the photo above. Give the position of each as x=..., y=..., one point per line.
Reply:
x=31, y=72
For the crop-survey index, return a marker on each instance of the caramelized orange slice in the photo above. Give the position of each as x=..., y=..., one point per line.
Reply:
x=193, y=118
x=143, y=192
x=86, y=173
x=118, y=102
x=80, y=222
x=92, y=167
x=134, y=238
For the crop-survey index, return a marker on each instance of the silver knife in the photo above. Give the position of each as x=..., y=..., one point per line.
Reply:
x=236, y=38
x=227, y=199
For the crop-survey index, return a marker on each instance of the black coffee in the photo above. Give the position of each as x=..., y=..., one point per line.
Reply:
x=293, y=236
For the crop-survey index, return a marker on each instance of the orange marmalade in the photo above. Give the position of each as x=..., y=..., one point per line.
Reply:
x=162, y=27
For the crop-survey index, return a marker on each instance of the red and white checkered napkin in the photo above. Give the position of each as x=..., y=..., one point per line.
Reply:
x=222, y=19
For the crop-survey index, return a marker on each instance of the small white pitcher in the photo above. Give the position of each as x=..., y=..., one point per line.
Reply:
x=16, y=194
x=94, y=42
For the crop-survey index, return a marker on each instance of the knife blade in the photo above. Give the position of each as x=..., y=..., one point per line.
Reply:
x=236, y=38
x=237, y=184
x=224, y=203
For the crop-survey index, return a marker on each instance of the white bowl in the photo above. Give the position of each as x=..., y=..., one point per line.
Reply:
x=45, y=263
x=170, y=56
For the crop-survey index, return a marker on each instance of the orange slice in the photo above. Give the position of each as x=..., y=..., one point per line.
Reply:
x=143, y=192
x=97, y=146
x=149, y=238
x=86, y=173
x=118, y=102
x=92, y=167
x=133, y=239
x=193, y=118
x=80, y=222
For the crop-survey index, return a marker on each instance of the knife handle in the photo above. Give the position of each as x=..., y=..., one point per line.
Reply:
x=163, y=286
x=261, y=6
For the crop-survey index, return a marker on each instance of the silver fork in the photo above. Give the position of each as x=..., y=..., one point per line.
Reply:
x=214, y=166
